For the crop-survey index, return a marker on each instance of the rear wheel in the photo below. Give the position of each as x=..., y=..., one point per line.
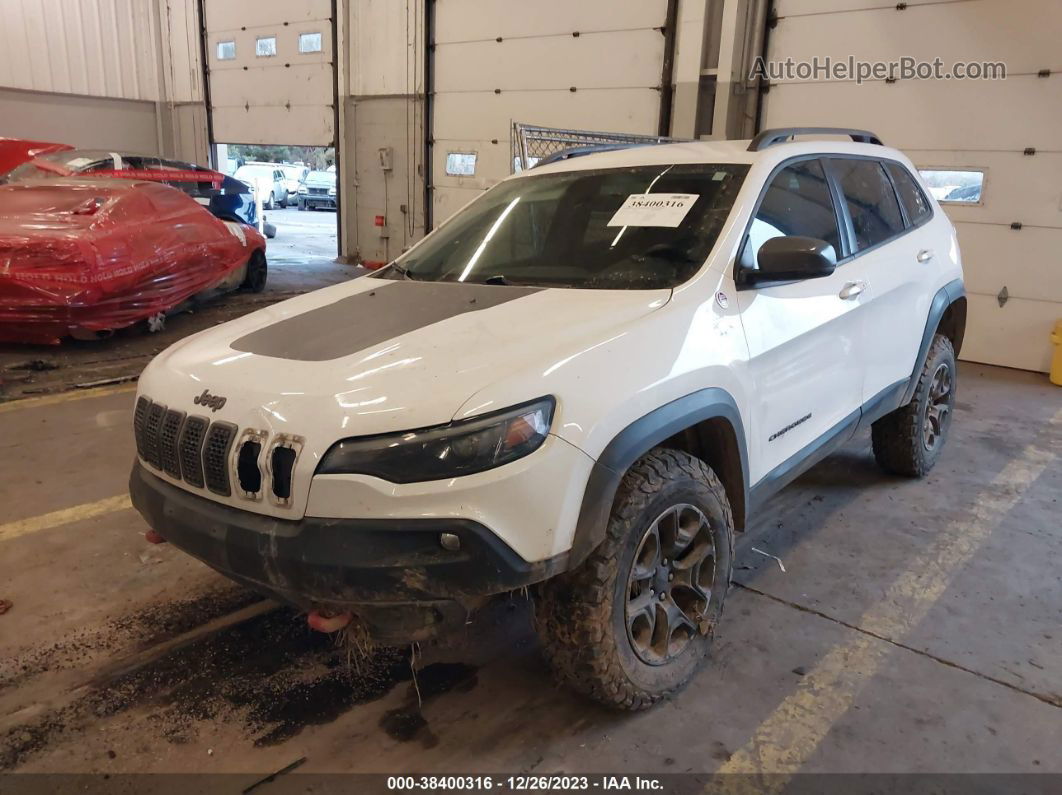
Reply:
x=909, y=440
x=632, y=624
x=257, y=271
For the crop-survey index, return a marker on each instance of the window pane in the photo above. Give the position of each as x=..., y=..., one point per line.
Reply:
x=265, y=46
x=309, y=42
x=871, y=201
x=911, y=196
x=797, y=202
x=964, y=186
x=226, y=50
x=461, y=164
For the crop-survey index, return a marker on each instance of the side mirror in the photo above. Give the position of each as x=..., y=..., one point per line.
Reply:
x=792, y=258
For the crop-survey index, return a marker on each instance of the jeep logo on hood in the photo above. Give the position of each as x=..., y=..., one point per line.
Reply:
x=212, y=402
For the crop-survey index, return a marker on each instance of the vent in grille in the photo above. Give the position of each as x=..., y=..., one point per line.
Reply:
x=282, y=464
x=169, y=433
x=247, y=471
x=139, y=421
x=216, y=457
x=152, y=426
x=190, y=449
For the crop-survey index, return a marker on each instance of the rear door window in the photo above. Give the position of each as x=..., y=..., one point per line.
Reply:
x=797, y=202
x=911, y=196
x=872, y=203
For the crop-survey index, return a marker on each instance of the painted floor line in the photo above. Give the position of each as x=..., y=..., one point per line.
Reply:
x=65, y=397
x=64, y=516
x=791, y=734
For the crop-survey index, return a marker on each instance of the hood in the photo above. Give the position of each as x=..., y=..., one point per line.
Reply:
x=377, y=356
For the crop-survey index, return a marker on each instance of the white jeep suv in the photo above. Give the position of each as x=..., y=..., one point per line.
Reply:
x=585, y=382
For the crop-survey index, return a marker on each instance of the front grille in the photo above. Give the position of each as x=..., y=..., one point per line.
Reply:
x=139, y=422
x=318, y=191
x=190, y=450
x=151, y=434
x=169, y=433
x=216, y=457
x=193, y=449
x=283, y=464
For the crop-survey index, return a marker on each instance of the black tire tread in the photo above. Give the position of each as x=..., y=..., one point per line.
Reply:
x=896, y=438
x=574, y=632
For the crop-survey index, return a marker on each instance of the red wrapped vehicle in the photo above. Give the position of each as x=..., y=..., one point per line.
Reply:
x=16, y=151
x=82, y=258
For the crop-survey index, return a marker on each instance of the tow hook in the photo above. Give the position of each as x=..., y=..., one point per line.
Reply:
x=152, y=537
x=328, y=623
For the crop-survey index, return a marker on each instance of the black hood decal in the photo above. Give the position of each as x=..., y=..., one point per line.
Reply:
x=368, y=318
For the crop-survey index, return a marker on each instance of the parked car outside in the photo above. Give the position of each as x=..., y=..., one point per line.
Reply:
x=268, y=181
x=318, y=190
x=86, y=257
x=396, y=450
x=293, y=177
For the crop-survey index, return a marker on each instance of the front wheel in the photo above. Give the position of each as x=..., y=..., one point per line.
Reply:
x=257, y=272
x=632, y=624
x=271, y=203
x=909, y=440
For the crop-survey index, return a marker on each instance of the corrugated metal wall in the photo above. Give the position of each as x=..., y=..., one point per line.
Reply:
x=101, y=48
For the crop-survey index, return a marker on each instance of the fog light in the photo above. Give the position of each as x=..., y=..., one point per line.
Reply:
x=450, y=541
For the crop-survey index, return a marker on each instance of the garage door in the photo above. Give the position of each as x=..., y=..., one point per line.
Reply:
x=271, y=71
x=1008, y=130
x=602, y=72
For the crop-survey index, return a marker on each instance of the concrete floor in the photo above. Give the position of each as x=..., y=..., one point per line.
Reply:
x=917, y=628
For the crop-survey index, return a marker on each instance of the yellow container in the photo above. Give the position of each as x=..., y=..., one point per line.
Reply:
x=1056, y=362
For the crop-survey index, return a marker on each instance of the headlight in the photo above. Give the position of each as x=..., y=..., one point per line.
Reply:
x=303, y=189
x=332, y=191
x=445, y=451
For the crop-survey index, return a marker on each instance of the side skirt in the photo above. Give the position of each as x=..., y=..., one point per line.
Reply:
x=800, y=462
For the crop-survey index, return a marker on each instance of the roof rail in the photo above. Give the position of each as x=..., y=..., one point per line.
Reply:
x=780, y=134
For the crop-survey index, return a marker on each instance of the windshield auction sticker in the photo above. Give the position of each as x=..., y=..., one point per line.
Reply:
x=654, y=209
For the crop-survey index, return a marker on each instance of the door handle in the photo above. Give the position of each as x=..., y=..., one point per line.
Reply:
x=851, y=290
x=925, y=255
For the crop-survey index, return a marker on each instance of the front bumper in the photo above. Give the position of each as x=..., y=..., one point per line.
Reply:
x=318, y=201
x=370, y=566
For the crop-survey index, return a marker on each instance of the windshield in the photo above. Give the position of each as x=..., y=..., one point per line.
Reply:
x=586, y=229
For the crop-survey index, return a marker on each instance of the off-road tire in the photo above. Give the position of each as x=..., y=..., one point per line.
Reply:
x=257, y=273
x=580, y=615
x=897, y=438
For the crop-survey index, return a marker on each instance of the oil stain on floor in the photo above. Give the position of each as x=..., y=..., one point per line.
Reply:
x=270, y=673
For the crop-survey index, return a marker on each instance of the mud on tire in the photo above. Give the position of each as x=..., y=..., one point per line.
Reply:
x=595, y=633
x=909, y=440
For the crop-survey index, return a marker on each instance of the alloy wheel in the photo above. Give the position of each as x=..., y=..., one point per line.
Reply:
x=938, y=407
x=670, y=584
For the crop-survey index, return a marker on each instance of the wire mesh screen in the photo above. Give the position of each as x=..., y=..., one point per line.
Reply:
x=531, y=143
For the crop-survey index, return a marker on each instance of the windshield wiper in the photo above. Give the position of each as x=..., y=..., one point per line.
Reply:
x=497, y=279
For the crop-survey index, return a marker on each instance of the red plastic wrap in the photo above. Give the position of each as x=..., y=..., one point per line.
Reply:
x=16, y=151
x=81, y=257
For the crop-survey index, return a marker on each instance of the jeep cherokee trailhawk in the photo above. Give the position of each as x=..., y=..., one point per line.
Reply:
x=585, y=382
